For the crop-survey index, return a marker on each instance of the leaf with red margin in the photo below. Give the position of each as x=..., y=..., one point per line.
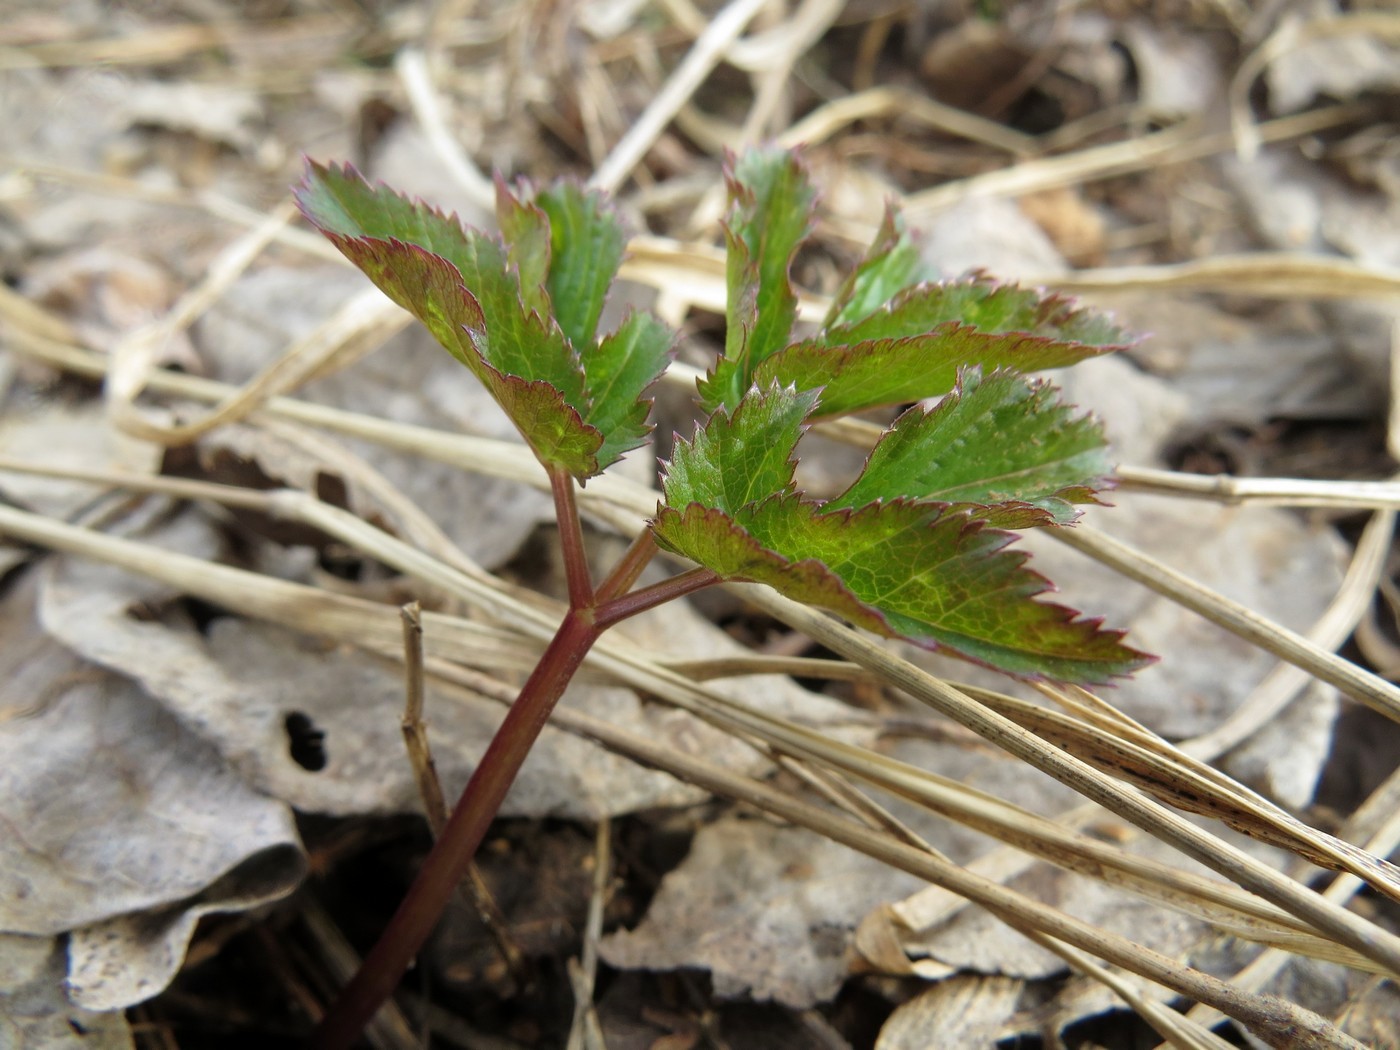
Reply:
x=911, y=347
x=579, y=407
x=771, y=202
x=924, y=572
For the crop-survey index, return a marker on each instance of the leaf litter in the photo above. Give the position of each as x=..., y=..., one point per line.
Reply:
x=1273, y=554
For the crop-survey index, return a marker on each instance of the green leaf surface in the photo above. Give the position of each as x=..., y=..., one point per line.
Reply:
x=578, y=405
x=625, y=364
x=922, y=571
x=525, y=227
x=771, y=201
x=587, y=242
x=1003, y=444
x=912, y=347
x=742, y=456
x=891, y=264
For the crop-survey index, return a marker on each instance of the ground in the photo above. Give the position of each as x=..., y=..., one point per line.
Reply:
x=211, y=811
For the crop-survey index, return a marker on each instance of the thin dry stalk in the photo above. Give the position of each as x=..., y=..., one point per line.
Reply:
x=641, y=672
x=1281, y=275
x=389, y=1030
x=198, y=575
x=709, y=48
x=415, y=732
x=414, y=72
x=1173, y=146
x=1287, y=645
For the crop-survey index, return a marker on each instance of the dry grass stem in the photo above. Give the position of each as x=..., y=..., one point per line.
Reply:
x=1248, y=135
x=1173, y=146
x=1290, y=646
x=639, y=671
x=199, y=577
x=721, y=32
x=411, y=64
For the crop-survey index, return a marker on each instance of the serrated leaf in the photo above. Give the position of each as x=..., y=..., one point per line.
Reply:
x=587, y=242
x=742, y=456
x=525, y=227
x=770, y=215
x=891, y=264
x=1003, y=444
x=626, y=363
x=924, y=572
x=912, y=347
x=578, y=407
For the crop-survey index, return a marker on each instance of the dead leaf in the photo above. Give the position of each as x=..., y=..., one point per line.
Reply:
x=123, y=826
x=34, y=1012
x=767, y=910
x=960, y=1012
x=237, y=682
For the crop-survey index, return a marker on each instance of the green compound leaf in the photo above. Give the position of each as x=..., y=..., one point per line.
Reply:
x=912, y=346
x=579, y=405
x=1001, y=446
x=771, y=202
x=926, y=572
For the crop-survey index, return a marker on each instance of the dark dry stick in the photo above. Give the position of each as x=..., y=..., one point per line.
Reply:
x=474, y=890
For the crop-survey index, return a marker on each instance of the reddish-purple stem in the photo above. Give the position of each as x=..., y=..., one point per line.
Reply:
x=576, y=572
x=446, y=864
x=629, y=567
x=611, y=612
x=590, y=613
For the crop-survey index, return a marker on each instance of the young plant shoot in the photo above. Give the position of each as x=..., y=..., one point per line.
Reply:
x=916, y=548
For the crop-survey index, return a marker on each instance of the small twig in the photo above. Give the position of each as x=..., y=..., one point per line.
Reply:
x=473, y=888
x=415, y=733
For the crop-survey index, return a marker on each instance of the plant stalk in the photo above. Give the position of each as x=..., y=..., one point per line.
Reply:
x=687, y=582
x=447, y=862
x=561, y=485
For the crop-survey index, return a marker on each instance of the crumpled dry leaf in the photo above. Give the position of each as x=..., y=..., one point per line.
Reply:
x=124, y=827
x=766, y=909
x=238, y=681
x=1179, y=73
x=219, y=113
x=1340, y=67
x=771, y=911
x=1294, y=204
x=63, y=433
x=34, y=1012
x=960, y=1012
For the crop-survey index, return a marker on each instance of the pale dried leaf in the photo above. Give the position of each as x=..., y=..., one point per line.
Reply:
x=239, y=681
x=34, y=1012
x=961, y=1013
x=767, y=910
